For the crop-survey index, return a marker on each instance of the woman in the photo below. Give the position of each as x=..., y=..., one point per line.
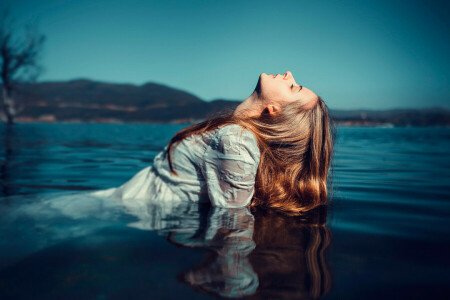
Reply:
x=273, y=150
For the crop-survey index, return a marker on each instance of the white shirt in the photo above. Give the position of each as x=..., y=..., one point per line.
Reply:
x=218, y=166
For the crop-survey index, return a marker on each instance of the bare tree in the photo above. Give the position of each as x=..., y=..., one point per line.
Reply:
x=18, y=60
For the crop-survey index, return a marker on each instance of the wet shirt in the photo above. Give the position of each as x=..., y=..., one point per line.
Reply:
x=219, y=166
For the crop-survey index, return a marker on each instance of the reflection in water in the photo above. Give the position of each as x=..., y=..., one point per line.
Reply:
x=7, y=157
x=290, y=257
x=226, y=269
x=255, y=254
x=262, y=255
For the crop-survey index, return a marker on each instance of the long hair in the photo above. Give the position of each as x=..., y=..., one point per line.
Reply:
x=296, y=147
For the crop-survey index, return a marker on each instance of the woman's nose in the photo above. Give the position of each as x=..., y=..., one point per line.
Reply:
x=287, y=75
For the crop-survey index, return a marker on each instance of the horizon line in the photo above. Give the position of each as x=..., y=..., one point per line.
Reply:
x=223, y=99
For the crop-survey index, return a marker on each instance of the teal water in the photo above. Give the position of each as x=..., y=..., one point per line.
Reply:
x=386, y=231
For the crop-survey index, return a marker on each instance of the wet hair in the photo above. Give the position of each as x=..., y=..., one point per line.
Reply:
x=296, y=147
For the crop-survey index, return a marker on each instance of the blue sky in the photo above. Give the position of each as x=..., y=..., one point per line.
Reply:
x=354, y=54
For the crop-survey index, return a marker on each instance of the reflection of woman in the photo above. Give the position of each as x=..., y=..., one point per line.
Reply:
x=290, y=255
x=257, y=254
x=227, y=234
x=270, y=256
x=273, y=150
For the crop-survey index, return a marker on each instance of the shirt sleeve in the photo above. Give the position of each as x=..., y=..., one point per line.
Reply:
x=230, y=165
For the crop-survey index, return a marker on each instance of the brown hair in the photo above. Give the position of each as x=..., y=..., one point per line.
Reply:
x=296, y=147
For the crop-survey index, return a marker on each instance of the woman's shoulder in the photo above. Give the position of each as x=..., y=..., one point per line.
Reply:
x=234, y=137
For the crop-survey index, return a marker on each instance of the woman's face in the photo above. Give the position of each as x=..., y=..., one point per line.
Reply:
x=271, y=92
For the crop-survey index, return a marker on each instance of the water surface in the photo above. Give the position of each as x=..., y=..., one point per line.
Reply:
x=384, y=235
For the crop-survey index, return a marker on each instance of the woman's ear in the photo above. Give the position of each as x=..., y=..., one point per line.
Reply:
x=272, y=109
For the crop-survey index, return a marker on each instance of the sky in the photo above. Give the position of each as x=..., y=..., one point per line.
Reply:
x=354, y=54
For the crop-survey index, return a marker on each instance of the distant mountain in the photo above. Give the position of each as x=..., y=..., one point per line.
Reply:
x=84, y=100
x=92, y=101
x=396, y=117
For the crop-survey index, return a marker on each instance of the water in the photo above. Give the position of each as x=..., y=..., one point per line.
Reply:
x=386, y=231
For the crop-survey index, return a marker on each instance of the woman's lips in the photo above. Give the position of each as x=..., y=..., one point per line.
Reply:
x=275, y=76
